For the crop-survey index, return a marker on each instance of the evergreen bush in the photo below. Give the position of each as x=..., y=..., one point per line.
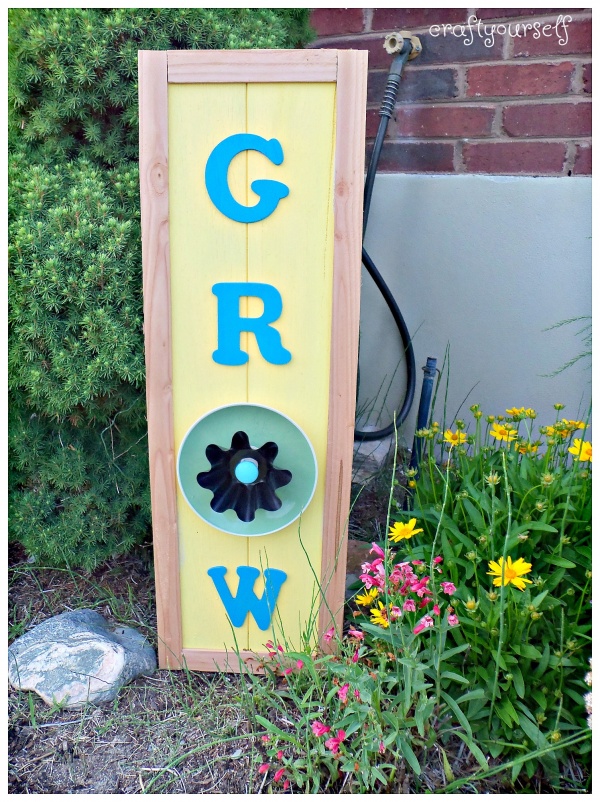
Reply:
x=77, y=427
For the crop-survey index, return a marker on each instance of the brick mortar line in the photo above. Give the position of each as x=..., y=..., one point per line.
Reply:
x=569, y=163
x=581, y=16
x=490, y=140
x=491, y=100
x=549, y=61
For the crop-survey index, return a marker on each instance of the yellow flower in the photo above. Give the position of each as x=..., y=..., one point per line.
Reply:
x=454, y=438
x=379, y=616
x=531, y=413
x=574, y=424
x=471, y=604
x=527, y=448
x=515, y=411
x=513, y=572
x=507, y=433
x=492, y=479
x=582, y=450
x=368, y=597
x=400, y=531
x=558, y=430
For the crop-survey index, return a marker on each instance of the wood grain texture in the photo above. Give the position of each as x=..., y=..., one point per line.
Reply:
x=250, y=66
x=206, y=247
x=220, y=660
x=292, y=250
x=154, y=195
x=348, y=193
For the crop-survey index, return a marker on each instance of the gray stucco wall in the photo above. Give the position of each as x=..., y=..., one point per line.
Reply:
x=481, y=265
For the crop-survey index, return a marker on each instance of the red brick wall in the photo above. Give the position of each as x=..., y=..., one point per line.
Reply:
x=500, y=104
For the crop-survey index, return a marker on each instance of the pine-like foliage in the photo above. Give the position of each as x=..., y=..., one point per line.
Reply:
x=74, y=82
x=77, y=428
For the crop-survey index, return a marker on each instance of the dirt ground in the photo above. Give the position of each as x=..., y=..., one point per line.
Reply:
x=172, y=732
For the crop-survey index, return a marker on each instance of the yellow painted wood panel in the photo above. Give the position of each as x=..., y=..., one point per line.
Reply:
x=293, y=250
x=206, y=248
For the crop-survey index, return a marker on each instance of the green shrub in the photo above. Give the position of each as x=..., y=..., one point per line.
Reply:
x=73, y=71
x=77, y=426
x=76, y=363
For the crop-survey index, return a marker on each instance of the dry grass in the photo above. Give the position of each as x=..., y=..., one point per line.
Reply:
x=173, y=732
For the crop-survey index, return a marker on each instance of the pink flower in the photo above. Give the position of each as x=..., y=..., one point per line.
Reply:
x=409, y=606
x=286, y=785
x=355, y=657
x=381, y=747
x=299, y=665
x=372, y=581
x=343, y=691
x=420, y=587
x=265, y=739
x=425, y=601
x=334, y=743
x=395, y=612
x=426, y=621
x=378, y=551
x=448, y=587
x=453, y=620
x=263, y=769
x=356, y=633
x=280, y=648
x=288, y=671
x=417, y=562
x=319, y=729
x=436, y=609
x=280, y=755
x=437, y=560
x=269, y=644
x=357, y=694
x=395, y=576
x=278, y=775
x=329, y=634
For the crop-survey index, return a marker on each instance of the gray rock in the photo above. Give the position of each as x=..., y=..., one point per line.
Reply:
x=78, y=657
x=370, y=456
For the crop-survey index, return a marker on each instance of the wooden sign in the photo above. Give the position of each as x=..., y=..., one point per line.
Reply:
x=251, y=173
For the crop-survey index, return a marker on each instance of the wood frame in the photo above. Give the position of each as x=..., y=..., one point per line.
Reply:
x=156, y=70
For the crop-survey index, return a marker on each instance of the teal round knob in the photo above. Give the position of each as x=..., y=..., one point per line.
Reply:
x=246, y=471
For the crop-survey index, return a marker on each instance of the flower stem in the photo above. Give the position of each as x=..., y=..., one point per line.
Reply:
x=502, y=589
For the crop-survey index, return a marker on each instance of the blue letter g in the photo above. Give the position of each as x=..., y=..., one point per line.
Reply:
x=217, y=167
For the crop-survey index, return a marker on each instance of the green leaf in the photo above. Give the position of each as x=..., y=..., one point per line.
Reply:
x=527, y=650
x=532, y=731
x=518, y=681
x=478, y=693
x=474, y=749
x=410, y=756
x=453, y=676
x=448, y=774
x=451, y=652
x=558, y=561
x=458, y=713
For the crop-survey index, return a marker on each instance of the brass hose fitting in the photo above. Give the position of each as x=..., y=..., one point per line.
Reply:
x=394, y=42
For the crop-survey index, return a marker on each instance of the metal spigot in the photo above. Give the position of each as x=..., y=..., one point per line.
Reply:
x=394, y=43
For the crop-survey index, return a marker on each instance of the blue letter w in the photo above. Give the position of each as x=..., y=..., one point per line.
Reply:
x=246, y=600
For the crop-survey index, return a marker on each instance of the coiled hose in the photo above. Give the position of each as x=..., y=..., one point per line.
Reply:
x=385, y=112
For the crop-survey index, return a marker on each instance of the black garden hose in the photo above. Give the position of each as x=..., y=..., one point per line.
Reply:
x=385, y=112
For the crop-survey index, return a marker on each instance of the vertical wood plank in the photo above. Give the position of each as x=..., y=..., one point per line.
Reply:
x=154, y=197
x=206, y=248
x=349, y=177
x=292, y=250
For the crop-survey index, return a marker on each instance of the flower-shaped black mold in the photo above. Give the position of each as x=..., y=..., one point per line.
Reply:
x=229, y=493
